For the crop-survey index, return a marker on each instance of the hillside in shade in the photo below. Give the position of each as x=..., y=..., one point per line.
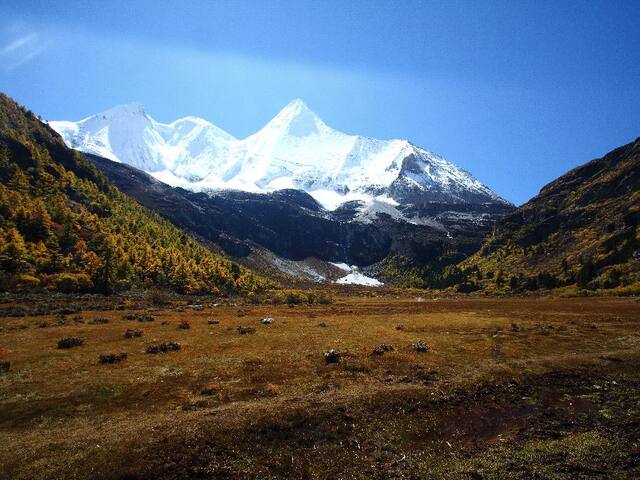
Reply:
x=64, y=226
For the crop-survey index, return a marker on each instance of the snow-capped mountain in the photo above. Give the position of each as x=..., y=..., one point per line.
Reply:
x=296, y=149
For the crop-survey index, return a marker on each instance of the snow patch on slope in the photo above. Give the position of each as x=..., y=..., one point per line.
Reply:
x=355, y=277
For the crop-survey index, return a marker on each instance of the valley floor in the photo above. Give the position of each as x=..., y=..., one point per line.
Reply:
x=510, y=388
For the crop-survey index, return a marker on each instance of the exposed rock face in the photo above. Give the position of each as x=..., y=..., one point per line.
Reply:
x=291, y=224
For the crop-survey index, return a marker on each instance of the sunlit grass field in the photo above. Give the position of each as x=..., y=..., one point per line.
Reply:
x=504, y=385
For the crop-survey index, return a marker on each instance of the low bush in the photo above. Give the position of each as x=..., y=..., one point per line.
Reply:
x=331, y=356
x=184, y=325
x=159, y=297
x=99, y=321
x=298, y=297
x=246, y=330
x=163, y=348
x=420, y=346
x=70, y=342
x=71, y=282
x=140, y=317
x=26, y=283
x=112, y=358
x=382, y=349
x=132, y=333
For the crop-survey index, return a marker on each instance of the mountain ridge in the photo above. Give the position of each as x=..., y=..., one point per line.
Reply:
x=295, y=149
x=582, y=229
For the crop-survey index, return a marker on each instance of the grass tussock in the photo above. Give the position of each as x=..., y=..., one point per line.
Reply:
x=70, y=342
x=112, y=358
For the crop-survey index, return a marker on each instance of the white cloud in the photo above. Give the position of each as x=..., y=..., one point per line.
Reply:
x=21, y=50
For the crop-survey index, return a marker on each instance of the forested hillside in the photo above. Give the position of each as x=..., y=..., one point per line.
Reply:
x=582, y=230
x=65, y=227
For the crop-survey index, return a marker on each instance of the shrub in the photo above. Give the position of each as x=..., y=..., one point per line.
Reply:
x=297, y=297
x=25, y=283
x=382, y=349
x=69, y=310
x=213, y=322
x=253, y=298
x=246, y=330
x=70, y=342
x=112, y=358
x=133, y=332
x=324, y=298
x=71, y=282
x=184, y=325
x=99, y=321
x=331, y=356
x=159, y=297
x=420, y=346
x=163, y=348
x=140, y=317
x=466, y=287
x=5, y=365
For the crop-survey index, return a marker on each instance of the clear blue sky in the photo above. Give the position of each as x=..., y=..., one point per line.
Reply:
x=515, y=92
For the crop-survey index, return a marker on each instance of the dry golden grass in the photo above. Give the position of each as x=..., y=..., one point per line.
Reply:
x=64, y=415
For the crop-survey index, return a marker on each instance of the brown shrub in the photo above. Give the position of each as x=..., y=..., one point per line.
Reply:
x=133, y=332
x=112, y=358
x=331, y=356
x=163, y=348
x=70, y=342
x=140, y=317
x=382, y=349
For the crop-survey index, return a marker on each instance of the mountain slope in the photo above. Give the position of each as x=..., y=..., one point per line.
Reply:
x=581, y=229
x=64, y=226
x=295, y=150
x=291, y=224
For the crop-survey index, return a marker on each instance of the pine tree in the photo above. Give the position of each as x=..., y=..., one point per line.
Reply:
x=14, y=252
x=105, y=276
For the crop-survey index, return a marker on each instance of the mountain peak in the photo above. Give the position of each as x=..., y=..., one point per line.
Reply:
x=296, y=119
x=297, y=105
x=131, y=109
x=296, y=149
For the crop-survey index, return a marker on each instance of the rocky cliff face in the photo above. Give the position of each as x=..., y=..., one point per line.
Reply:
x=294, y=226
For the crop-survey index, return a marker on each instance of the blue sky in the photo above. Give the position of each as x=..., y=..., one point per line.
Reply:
x=515, y=92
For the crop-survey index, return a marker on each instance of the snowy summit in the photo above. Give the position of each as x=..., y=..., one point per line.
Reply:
x=296, y=149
